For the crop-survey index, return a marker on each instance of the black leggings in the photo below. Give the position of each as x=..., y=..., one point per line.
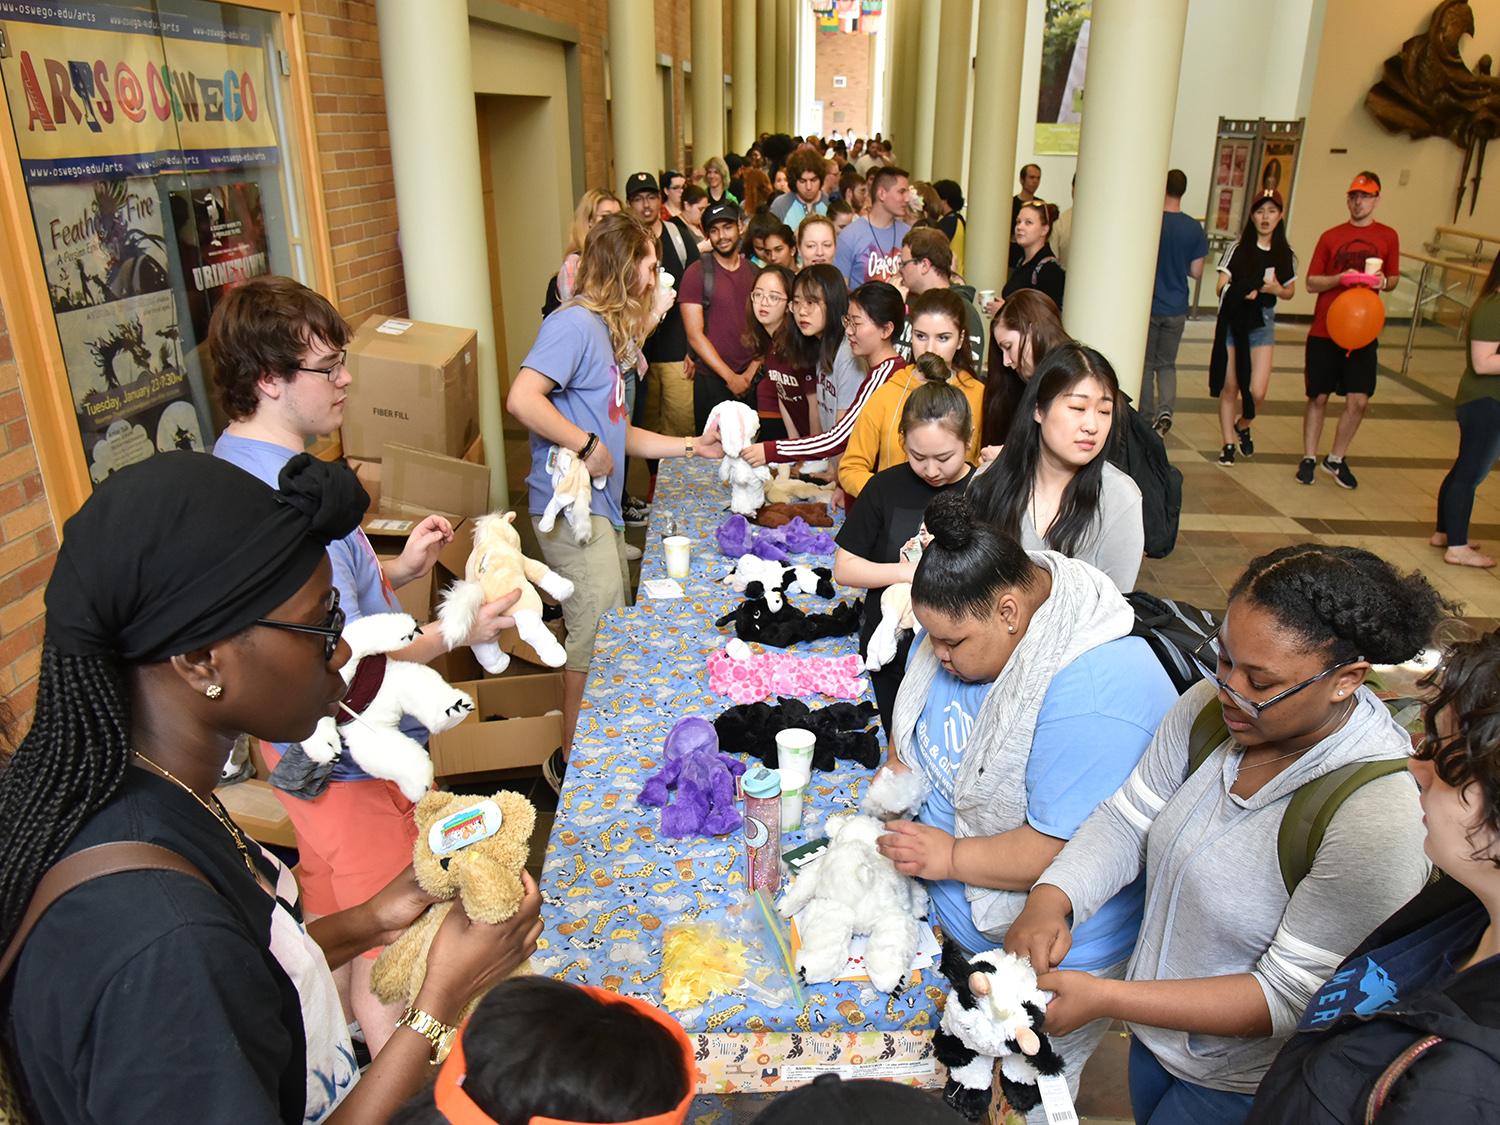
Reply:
x=1478, y=447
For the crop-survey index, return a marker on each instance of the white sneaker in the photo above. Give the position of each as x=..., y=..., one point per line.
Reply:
x=632, y=552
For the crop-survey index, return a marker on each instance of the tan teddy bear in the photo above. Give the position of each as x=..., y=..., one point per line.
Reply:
x=483, y=871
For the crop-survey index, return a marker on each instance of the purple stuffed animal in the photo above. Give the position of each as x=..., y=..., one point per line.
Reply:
x=703, y=778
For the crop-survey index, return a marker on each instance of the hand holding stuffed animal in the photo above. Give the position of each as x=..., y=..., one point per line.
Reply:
x=570, y=494
x=896, y=618
x=737, y=425
x=496, y=566
x=382, y=691
x=454, y=859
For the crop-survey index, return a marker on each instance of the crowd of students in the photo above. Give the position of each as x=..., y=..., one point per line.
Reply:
x=1132, y=842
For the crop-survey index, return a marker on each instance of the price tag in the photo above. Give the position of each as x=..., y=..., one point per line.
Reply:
x=1057, y=1102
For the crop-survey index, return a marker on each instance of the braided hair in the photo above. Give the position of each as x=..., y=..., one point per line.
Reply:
x=1345, y=602
x=66, y=769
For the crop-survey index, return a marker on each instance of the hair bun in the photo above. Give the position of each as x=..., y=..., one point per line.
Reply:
x=934, y=368
x=950, y=521
x=329, y=495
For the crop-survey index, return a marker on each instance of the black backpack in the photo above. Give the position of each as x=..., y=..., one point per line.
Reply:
x=1138, y=450
x=1174, y=629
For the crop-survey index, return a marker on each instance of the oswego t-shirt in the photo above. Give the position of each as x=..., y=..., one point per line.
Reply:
x=870, y=253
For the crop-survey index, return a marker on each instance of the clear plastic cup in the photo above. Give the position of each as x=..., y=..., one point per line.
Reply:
x=794, y=755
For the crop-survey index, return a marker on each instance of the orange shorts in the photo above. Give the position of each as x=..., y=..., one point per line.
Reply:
x=352, y=839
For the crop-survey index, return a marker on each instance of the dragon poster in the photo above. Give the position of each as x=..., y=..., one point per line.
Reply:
x=103, y=248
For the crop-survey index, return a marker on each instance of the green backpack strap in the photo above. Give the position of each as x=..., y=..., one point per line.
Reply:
x=1207, y=735
x=1311, y=809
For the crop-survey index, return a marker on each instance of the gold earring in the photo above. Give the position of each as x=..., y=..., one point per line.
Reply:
x=213, y=691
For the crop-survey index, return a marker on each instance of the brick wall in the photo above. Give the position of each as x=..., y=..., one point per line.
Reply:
x=28, y=545
x=848, y=107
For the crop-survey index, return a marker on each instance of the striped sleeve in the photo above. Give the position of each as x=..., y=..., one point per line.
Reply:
x=831, y=443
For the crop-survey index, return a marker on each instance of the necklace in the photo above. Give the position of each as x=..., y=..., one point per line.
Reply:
x=1283, y=757
x=215, y=810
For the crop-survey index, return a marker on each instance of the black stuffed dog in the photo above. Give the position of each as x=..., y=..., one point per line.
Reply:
x=844, y=731
x=766, y=616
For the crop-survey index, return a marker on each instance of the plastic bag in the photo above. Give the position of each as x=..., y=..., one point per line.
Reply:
x=740, y=954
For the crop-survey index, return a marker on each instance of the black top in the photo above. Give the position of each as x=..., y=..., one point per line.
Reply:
x=887, y=512
x=149, y=997
x=668, y=344
x=1040, y=271
x=948, y=224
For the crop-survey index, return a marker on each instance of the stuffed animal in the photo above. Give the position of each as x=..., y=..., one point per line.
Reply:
x=896, y=618
x=785, y=488
x=746, y=676
x=779, y=515
x=704, y=781
x=843, y=731
x=570, y=494
x=736, y=539
x=852, y=889
x=766, y=616
x=381, y=691
x=469, y=848
x=737, y=425
x=994, y=1011
x=773, y=575
x=496, y=566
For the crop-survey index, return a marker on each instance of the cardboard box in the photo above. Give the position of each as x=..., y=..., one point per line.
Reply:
x=254, y=806
x=523, y=735
x=408, y=484
x=415, y=384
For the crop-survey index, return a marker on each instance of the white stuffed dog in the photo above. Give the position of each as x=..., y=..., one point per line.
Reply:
x=738, y=424
x=570, y=494
x=853, y=889
x=381, y=691
x=895, y=618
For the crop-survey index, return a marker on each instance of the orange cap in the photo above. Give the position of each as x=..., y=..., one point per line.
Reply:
x=1363, y=183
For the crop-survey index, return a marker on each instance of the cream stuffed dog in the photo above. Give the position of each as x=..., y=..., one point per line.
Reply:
x=496, y=566
x=738, y=425
x=895, y=618
x=570, y=494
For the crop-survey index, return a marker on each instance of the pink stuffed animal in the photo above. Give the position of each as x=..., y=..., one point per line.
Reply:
x=748, y=677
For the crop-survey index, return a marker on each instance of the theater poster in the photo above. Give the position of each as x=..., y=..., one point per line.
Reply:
x=221, y=240
x=1065, y=53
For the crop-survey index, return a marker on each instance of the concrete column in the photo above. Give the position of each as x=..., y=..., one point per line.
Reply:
x=924, y=113
x=905, y=51
x=635, y=109
x=1130, y=96
x=708, y=77
x=429, y=106
x=765, y=66
x=742, y=129
x=992, y=149
x=948, y=125
x=786, y=65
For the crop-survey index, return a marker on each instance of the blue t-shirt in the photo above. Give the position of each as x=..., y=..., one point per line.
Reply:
x=572, y=349
x=1426, y=957
x=1182, y=243
x=1096, y=720
x=363, y=589
x=869, y=253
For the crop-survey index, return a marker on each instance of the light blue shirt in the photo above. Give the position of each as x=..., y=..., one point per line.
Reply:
x=1095, y=722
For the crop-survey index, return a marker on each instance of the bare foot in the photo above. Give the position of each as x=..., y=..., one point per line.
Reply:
x=1440, y=539
x=1467, y=556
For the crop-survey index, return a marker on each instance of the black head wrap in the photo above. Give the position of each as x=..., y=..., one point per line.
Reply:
x=184, y=549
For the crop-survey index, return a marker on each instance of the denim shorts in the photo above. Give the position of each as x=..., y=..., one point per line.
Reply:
x=1265, y=335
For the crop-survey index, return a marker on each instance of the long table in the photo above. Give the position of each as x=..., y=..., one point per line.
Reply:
x=612, y=886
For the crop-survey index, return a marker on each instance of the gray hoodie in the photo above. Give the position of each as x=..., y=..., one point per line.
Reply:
x=1215, y=901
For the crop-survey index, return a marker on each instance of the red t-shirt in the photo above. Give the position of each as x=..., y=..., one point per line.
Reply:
x=1345, y=247
x=795, y=387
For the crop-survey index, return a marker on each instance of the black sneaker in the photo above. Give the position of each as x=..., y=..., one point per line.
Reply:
x=554, y=769
x=637, y=513
x=1305, y=469
x=1340, y=472
x=1247, y=447
x=1163, y=424
x=1226, y=456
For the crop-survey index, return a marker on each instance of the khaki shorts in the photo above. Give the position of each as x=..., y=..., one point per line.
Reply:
x=600, y=577
x=669, y=401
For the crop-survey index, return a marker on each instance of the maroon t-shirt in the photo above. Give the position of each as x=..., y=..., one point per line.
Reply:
x=795, y=387
x=724, y=321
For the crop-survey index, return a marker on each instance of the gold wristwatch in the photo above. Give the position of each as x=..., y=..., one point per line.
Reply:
x=439, y=1034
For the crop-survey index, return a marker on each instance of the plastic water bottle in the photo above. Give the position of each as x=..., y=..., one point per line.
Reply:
x=762, y=829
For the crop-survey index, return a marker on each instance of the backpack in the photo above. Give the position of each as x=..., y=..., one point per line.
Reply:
x=1036, y=270
x=1173, y=629
x=1139, y=452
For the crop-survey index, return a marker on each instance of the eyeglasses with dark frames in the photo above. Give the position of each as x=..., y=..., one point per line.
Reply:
x=1249, y=706
x=330, y=371
x=330, y=631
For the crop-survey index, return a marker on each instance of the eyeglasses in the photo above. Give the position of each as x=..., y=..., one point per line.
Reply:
x=1249, y=706
x=330, y=631
x=804, y=302
x=909, y=262
x=765, y=297
x=852, y=322
x=328, y=372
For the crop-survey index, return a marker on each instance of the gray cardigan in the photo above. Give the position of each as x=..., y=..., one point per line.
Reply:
x=1215, y=901
x=1117, y=540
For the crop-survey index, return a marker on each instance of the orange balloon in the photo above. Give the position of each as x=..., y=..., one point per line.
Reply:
x=1355, y=318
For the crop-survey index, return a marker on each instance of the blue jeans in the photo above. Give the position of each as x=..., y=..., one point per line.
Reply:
x=1160, y=1098
x=1478, y=447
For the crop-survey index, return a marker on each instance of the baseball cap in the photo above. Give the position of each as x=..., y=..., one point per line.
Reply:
x=1365, y=184
x=639, y=182
x=1270, y=195
x=864, y=1101
x=721, y=212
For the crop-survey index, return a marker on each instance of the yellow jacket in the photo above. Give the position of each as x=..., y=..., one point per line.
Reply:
x=876, y=441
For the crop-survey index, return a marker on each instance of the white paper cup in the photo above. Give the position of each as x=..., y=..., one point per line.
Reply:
x=679, y=552
x=985, y=297
x=794, y=755
x=1372, y=265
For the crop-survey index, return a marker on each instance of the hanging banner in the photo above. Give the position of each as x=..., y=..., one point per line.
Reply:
x=100, y=91
x=1065, y=54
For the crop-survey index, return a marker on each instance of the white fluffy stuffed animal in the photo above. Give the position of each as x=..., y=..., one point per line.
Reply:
x=381, y=691
x=787, y=489
x=895, y=618
x=816, y=581
x=570, y=494
x=853, y=889
x=738, y=424
x=496, y=566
